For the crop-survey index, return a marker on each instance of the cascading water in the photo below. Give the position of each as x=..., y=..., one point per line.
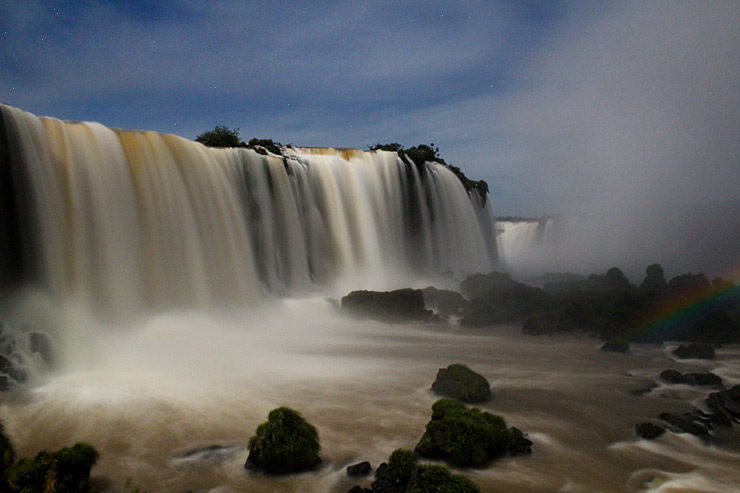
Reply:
x=523, y=243
x=128, y=219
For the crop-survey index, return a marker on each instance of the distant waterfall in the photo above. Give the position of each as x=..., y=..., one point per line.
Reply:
x=124, y=220
x=523, y=243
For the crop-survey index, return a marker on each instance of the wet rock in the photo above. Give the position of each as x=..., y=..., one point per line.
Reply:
x=616, y=345
x=725, y=404
x=693, y=422
x=706, y=379
x=359, y=469
x=359, y=489
x=445, y=302
x=41, y=344
x=649, y=431
x=694, y=350
x=460, y=382
x=519, y=444
x=389, y=306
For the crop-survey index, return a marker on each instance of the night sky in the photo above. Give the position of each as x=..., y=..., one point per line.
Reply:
x=617, y=113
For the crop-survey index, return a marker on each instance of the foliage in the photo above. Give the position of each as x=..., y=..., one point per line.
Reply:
x=401, y=465
x=64, y=471
x=220, y=136
x=261, y=146
x=422, y=153
x=463, y=437
x=438, y=479
x=284, y=444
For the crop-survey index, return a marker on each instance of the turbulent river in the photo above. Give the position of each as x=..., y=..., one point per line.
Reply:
x=168, y=385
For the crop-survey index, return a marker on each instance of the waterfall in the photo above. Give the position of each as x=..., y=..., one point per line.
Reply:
x=128, y=220
x=523, y=243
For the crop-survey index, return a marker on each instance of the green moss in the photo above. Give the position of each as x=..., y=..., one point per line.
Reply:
x=401, y=465
x=64, y=471
x=464, y=437
x=438, y=479
x=284, y=444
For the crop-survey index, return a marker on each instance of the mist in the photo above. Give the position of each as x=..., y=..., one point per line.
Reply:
x=628, y=124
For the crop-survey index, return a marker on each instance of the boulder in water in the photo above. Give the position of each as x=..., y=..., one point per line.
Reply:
x=390, y=306
x=464, y=437
x=726, y=404
x=693, y=422
x=63, y=471
x=694, y=350
x=443, y=301
x=460, y=382
x=707, y=379
x=285, y=444
x=616, y=345
x=360, y=469
x=428, y=478
x=649, y=431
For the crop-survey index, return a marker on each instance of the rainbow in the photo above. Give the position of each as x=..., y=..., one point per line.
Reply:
x=673, y=314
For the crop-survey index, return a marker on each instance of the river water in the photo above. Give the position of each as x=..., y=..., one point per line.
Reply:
x=148, y=392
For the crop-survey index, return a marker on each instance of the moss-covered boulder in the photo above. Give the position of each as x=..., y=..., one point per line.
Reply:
x=464, y=437
x=460, y=382
x=402, y=474
x=285, y=444
x=438, y=479
x=64, y=471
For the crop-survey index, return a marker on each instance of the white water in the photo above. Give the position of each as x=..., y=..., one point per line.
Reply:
x=131, y=220
x=156, y=265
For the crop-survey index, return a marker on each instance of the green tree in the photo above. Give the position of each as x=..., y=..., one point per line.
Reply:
x=221, y=136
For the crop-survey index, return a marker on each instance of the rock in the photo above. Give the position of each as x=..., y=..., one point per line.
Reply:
x=726, y=403
x=285, y=444
x=706, y=379
x=479, y=285
x=464, y=437
x=649, y=431
x=460, y=382
x=359, y=489
x=359, y=469
x=694, y=422
x=435, y=478
x=519, y=444
x=7, y=458
x=694, y=350
x=384, y=482
x=41, y=344
x=390, y=306
x=444, y=302
x=654, y=280
x=615, y=279
x=672, y=376
x=67, y=470
x=616, y=345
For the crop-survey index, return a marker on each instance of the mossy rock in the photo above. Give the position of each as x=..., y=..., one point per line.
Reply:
x=694, y=350
x=285, y=444
x=64, y=471
x=465, y=437
x=438, y=479
x=460, y=382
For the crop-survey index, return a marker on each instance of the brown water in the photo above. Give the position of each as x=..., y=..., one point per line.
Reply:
x=146, y=395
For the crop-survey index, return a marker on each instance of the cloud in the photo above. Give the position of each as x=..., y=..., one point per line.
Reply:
x=630, y=124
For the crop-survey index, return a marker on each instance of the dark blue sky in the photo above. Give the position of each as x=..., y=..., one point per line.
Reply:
x=593, y=109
